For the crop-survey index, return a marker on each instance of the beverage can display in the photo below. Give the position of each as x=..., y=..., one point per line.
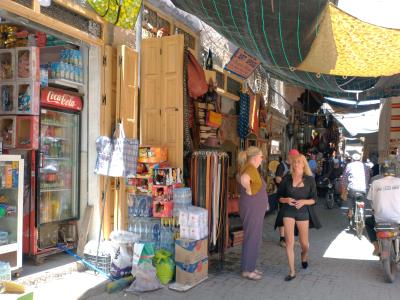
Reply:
x=8, y=175
x=14, y=178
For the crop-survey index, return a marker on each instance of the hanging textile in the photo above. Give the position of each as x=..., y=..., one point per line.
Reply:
x=209, y=179
x=244, y=107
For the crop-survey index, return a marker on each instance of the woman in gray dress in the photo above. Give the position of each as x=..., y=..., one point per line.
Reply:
x=253, y=205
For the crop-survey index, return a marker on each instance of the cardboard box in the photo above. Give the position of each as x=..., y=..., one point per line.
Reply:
x=152, y=154
x=162, y=209
x=28, y=97
x=27, y=63
x=191, y=274
x=141, y=184
x=190, y=251
x=167, y=176
x=140, y=205
x=27, y=132
x=8, y=98
x=7, y=64
x=148, y=168
x=162, y=191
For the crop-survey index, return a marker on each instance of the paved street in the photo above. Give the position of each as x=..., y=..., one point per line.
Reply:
x=341, y=267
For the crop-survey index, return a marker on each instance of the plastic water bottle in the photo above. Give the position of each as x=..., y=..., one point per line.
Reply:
x=5, y=271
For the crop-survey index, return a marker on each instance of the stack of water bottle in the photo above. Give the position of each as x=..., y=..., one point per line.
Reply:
x=182, y=199
x=169, y=232
x=141, y=221
x=5, y=271
x=147, y=228
x=70, y=66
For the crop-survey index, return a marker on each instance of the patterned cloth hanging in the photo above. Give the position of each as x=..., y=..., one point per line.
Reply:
x=244, y=107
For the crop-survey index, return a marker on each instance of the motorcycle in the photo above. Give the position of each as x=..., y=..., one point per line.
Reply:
x=388, y=235
x=358, y=219
x=327, y=188
x=330, y=195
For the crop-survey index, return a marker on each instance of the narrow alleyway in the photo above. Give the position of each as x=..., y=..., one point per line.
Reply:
x=341, y=267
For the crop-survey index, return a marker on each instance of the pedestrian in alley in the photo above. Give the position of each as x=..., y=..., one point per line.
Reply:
x=298, y=194
x=283, y=170
x=253, y=205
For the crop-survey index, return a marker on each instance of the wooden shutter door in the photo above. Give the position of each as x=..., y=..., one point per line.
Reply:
x=150, y=93
x=127, y=113
x=172, y=97
x=107, y=124
x=127, y=90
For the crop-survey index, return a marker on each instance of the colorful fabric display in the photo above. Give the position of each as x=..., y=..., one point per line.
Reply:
x=243, y=124
x=209, y=179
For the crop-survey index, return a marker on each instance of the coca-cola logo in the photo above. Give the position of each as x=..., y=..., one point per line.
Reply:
x=56, y=98
x=60, y=99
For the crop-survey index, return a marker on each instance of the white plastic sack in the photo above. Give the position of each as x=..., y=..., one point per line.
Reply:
x=121, y=261
x=105, y=248
x=124, y=237
x=146, y=279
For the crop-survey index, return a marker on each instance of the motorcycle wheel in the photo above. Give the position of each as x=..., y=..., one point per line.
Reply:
x=389, y=264
x=359, y=224
x=329, y=200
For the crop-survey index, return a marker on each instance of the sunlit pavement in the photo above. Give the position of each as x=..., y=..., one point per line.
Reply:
x=340, y=267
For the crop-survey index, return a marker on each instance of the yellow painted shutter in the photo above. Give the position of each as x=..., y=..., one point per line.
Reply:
x=127, y=90
x=127, y=112
x=107, y=116
x=172, y=98
x=150, y=93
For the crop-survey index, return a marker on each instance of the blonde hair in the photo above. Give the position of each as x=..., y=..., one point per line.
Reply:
x=245, y=155
x=306, y=167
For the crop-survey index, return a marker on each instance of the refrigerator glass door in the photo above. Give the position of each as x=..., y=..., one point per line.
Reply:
x=58, y=166
x=10, y=182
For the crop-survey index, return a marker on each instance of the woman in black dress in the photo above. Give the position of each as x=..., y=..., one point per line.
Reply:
x=298, y=194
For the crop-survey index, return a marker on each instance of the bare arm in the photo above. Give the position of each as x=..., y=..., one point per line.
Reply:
x=245, y=182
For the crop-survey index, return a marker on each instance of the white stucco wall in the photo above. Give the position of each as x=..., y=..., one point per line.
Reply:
x=92, y=132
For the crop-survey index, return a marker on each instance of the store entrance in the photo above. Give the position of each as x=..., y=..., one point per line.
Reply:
x=43, y=118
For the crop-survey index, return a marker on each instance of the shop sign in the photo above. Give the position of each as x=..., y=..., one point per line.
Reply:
x=242, y=64
x=60, y=99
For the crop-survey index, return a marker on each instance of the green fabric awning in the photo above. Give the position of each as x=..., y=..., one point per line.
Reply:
x=281, y=35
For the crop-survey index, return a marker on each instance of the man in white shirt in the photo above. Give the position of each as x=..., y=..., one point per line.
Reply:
x=355, y=179
x=385, y=196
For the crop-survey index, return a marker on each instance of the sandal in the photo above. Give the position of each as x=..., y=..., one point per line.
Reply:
x=251, y=275
x=290, y=277
x=376, y=252
x=258, y=272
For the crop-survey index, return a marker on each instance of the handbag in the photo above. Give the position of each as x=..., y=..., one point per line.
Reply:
x=117, y=157
x=122, y=13
x=213, y=119
x=197, y=84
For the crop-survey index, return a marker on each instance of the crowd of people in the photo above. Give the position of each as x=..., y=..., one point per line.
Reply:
x=296, y=178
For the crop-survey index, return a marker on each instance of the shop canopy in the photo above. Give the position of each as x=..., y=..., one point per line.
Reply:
x=310, y=43
x=355, y=123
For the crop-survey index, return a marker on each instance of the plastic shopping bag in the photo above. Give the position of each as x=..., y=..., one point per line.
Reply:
x=122, y=13
x=165, y=266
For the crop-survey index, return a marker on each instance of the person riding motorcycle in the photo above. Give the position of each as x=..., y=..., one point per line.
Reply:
x=384, y=194
x=355, y=180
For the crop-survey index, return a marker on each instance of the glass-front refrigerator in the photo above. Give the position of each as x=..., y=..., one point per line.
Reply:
x=58, y=168
x=11, y=190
